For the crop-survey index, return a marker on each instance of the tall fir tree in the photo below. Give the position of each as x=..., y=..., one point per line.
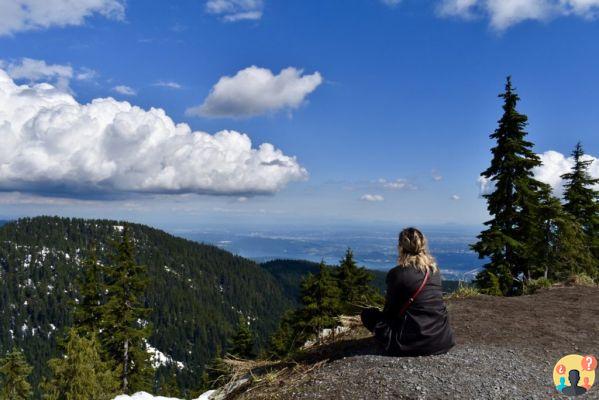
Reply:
x=14, y=372
x=512, y=204
x=582, y=199
x=88, y=312
x=242, y=343
x=354, y=284
x=321, y=305
x=81, y=374
x=124, y=324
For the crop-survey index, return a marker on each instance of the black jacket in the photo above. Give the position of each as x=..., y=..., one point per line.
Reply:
x=424, y=328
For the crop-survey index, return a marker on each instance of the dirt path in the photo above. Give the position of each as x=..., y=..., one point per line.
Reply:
x=506, y=349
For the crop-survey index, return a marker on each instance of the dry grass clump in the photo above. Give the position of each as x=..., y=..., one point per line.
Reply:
x=580, y=280
x=463, y=292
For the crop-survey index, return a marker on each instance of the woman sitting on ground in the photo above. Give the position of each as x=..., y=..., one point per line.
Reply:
x=414, y=321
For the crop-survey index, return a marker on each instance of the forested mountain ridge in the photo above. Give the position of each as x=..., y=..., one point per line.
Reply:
x=196, y=291
x=290, y=273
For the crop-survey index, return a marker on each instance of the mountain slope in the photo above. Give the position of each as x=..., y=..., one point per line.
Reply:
x=196, y=291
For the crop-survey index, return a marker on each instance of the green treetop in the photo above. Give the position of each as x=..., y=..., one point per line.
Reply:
x=14, y=371
x=88, y=313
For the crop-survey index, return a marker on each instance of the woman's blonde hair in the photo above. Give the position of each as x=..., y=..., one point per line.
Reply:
x=413, y=251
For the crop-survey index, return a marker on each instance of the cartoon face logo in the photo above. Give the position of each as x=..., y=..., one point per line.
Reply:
x=574, y=374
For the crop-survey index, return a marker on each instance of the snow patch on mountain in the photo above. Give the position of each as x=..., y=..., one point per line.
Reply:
x=147, y=396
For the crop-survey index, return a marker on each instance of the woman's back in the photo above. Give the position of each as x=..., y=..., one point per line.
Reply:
x=424, y=327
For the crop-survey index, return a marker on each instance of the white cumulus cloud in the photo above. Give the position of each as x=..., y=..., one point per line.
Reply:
x=32, y=70
x=372, y=197
x=505, y=13
x=25, y=15
x=455, y=197
x=125, y=90
x=555, y=164
x=51, y=144
x=236, y=10
x=255, y=91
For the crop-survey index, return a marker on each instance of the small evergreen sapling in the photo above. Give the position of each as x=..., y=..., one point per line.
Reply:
x=320, y=298
x=242, y=343
x=354, y=285
x=14, y=372
x=81, y=374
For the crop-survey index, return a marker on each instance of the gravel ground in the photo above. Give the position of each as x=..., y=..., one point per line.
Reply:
x=472, y=372
x=506, y=349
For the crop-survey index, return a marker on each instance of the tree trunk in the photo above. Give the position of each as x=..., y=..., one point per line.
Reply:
x=126, y=366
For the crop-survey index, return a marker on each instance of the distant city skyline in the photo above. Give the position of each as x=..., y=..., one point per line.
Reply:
x=263, y=113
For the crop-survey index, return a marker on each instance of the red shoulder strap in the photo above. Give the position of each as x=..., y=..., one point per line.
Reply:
x=415, y=294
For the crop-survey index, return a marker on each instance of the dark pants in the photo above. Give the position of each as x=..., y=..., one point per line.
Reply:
x=371, y=317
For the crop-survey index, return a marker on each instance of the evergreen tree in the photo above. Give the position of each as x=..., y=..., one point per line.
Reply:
x=559, y=248
x=320, y=299
x=216, y=372
x=288, y=337
x=513, y=202
x=581, y=199
x=80, y=374
x=242, y=344
x=88, y=312
x=14, y=371
x=354, y=284
x=124, y=326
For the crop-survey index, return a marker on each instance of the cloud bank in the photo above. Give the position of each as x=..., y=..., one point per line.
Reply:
x=505, y=13
x=555, y=164
x=50, y=144
x=24, y=15
x=236, y=10
x=256, y=91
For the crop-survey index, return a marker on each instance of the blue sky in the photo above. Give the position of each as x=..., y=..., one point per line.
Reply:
x=383, y=116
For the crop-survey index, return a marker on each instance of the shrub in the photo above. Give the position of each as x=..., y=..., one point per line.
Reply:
x=464, y=291
x=581, y=279
x=488, y=283
x=533, y=285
